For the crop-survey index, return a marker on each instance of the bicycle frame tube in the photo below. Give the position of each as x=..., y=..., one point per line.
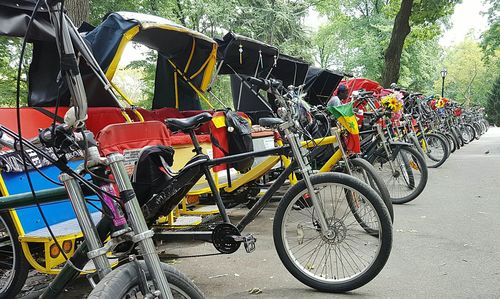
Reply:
x=264, y=200
x=26, y=199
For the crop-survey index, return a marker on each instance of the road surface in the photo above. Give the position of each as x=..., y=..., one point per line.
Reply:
x=446, y=243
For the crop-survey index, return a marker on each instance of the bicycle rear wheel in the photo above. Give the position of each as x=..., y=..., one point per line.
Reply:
x=347, y=258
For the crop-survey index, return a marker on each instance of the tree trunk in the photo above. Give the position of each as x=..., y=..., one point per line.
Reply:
x=393, y=52
x=78, y=11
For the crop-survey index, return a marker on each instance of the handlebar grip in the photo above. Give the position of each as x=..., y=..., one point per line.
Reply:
x=261, y=83
x=265, y=84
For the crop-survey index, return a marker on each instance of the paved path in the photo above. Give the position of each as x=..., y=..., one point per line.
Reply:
x=446, y=242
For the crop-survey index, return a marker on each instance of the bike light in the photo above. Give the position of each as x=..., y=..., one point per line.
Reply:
x=67, y=246
x=54, y=251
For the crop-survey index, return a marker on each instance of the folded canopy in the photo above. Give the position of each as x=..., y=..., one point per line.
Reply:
x=245, y=56
x=320, y=84
x=185, y=65
x=288, y=69
x=363, y=83
x=186, y=58
x=14, y=17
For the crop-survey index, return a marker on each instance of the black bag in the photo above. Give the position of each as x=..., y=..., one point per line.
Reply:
x=240, y=139
x=150, y=173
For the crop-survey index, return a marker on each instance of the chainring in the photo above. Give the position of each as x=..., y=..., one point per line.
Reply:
x=222, y=240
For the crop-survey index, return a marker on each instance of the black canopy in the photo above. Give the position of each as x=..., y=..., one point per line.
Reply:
x=245, y=56
x=320, y=84
x=186, y=58
x=290, y=70
x=14, y=18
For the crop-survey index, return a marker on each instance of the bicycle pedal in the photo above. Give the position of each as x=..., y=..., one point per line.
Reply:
x=249, y=242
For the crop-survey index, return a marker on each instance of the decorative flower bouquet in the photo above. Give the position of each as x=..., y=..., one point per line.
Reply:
x=392, y=103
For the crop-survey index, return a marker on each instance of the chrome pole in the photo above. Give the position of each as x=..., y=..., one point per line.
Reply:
x=89, y=230
x=138, y=224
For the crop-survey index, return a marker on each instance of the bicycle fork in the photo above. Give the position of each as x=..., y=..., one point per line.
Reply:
x=292, y=139
x=386, y=148
x=142, y=235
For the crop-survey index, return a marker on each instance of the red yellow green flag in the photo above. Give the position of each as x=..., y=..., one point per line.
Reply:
x=345, y=116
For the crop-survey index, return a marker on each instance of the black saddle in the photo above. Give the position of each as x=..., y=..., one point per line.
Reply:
x=270, y=122
x=188, y=123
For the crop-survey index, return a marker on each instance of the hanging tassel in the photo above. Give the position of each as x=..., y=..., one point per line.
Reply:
x=241, y=53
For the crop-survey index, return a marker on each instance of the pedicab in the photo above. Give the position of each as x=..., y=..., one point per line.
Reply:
x=30, y=244
x=184, y=54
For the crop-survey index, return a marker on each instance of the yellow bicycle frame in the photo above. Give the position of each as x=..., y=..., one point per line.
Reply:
x=270, y=162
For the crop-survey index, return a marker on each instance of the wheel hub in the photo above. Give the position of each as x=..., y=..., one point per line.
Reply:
x=337, y=232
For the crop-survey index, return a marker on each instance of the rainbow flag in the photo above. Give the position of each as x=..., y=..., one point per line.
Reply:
x=345, y=116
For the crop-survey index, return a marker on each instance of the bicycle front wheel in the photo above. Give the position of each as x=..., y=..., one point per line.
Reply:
x=348, y=256
x=409, y=176
x=125, y=282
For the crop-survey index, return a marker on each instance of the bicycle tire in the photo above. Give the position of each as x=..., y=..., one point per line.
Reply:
x=125, y=279
x=20, y=266
x=447, y=141
x=303, y=273
x=478, y=130
x=380, y=157
x=375, y=182
x=442, y=143
x=470, y=133
x=456, y=135
x=452, y=142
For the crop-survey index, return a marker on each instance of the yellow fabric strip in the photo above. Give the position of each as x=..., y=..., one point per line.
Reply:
x=128, y=36
x=198, y=92
x=176, y=91
x=201, y=68
x=219, y=121
x=190, y=56
x=209, y=70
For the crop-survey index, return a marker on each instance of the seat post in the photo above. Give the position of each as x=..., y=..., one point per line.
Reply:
x=196, y=144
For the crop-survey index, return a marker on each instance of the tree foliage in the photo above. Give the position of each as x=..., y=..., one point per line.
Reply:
x=493, y=103
x=469, y=78
x=354, y=40
x=491, y=38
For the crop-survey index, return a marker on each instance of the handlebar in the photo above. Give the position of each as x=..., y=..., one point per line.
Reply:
x=269, y=85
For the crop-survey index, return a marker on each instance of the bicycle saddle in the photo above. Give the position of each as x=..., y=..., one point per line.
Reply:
x=188, y=123
x=270, y=122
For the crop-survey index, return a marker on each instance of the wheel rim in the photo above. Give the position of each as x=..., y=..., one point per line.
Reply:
x=7, y=270
x=435, y=150
x=135, y=292
x=405, y=184
x=344, y=255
